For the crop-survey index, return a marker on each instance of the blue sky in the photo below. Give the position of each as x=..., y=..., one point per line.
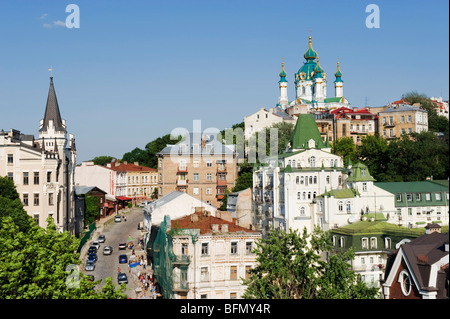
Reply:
x=135, y=70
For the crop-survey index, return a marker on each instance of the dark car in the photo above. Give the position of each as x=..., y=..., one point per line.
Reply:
x=92, y=257
x=123, y=259
x=92, y=249
x=122, y=278
x=122, y=246
x=90, y=277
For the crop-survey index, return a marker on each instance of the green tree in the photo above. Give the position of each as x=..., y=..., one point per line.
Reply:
x=92, y=209
x=42, y=263
x=11, y=205
x=373, y=153
x=102, y=160
x=289, y=266
x=137, y=155
x=346, y=148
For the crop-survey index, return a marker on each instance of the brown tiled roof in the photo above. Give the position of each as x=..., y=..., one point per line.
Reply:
x=129, y=167
x=205, y=222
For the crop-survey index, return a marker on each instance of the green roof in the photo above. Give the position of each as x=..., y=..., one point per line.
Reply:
x=419, y=191
x=305, y=130
x=360, y=173
x=332, y=99
x=341, y=193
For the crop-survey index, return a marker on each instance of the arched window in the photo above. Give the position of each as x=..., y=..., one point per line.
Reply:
x=302, y=211
x=297, y=179
x=348, y=205
x=315, y=179
x=340, y=206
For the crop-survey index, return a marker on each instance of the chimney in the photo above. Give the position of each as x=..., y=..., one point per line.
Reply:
x=108, y=165
x=446, y=247
x=136, y=163
x=194, y=218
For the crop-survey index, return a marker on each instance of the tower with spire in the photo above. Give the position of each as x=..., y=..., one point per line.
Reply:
x=338, y=83
x=283, y=99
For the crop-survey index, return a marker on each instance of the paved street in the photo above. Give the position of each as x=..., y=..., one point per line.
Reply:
x=115, y=233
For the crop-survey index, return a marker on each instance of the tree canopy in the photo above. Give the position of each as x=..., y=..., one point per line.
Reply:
x=290, y=266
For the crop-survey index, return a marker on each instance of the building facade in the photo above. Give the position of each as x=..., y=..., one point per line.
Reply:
x=43, y=169
x=401, y=119
x=200, y=165
x=203, y=257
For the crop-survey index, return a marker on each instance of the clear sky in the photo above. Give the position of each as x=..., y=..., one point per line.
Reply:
x=135, y=70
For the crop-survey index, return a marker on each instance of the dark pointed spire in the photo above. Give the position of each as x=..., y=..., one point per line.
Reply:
x=52, y=110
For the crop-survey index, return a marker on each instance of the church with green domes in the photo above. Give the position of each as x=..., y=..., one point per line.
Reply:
x=311, y=85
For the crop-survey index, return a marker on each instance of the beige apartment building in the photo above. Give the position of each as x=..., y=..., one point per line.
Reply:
x=401, y=119
x=43, y=169
x=200, y=166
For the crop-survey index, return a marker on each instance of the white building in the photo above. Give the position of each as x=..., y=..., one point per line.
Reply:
x=43, y=169
x=200, y=256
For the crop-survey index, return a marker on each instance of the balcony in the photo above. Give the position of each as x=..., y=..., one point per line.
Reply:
x=389, y=124
x=180, y=286
x=182, y=169
x=182, y=182
x=181, y=260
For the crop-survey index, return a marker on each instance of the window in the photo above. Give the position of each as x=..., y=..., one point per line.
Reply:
x=364, y=187
x=208, y=191
x=234, y=248
x=208, y=163
x=387, y=243
x=10, y=176
x=297, y=179
x=373, y=242
x=409, y=119
x=196, y=164
x=195, y=176
x=298, y=195
x=247, y=271
x=328, y=179
x=25, y=199
x=405, y=282
x=384, y=132
x=409, y=211
x=205, y=249
x=438, y=196
x=409, y=131
x=428, y=196
x=302, y=211
x=36, y=218
x=208, y=177
x=348, y=206
x=36, y=178
x=233, y=295
x=342, y=241
x=50, y=199
x=403, y=119
x=363, y=260
x=340, y=206
x=248, y=247
x=10, y=159
x=36, y=199
x=204, y=274
x=365, y=243
x=409, y=197
x=195, y=190
x=25, y=178
x=313, y=161
x=363, y=172
x=391, y=132
x=184, y=249
x=49, y=177
x=233, y=273
x=418, y=197
x=398, y=197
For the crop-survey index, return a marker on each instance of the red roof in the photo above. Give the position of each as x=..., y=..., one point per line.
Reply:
x=129, y=167
x=401, y=101
x=204, y=223
x=123, y=198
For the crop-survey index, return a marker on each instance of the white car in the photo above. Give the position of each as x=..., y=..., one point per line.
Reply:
x=89, y=266
x=107, y=250
x=117, y=219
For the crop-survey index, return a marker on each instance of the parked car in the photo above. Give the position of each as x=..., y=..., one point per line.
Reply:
x=122, y=278
x=107, y=250
x=122, y=246
x=90, y=277
x=89, y=266
x=123, y=259
x=92, y=257
x=96, y=244
x=101, y=238
x=92, y=249
x=117, y=219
